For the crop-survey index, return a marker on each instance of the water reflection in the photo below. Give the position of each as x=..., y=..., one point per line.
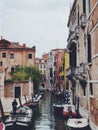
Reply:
x=60, y=125
x=45, y=118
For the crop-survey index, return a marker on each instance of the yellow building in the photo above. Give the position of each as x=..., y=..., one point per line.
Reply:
x=66, y=66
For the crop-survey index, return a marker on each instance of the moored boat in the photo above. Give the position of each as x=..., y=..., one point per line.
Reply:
x=58, y=109
x=37, y=97
x=77, y=123
x=69, y=111
x=2, y=126
x=22, y=117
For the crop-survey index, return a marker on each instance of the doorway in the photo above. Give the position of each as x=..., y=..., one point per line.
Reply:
x=17, y=91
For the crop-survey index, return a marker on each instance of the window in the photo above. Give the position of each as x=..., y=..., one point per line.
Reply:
x=1, y=64
x=89, y=47
x=12, y=56
x=87, y=7
x=30, y=56
x=40, y=66
x=84, y=6
x=78, y=16
x=3, y=55
x=84, y=91
x=91, y=89
x=12, y=69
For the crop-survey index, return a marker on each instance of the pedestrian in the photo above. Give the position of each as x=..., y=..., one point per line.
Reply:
x=14, y=105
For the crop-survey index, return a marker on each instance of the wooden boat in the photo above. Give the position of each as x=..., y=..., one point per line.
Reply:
x=23, y=117
x=60, y=94
x=58, y=109
x=34, y=102
x=37, y=97
x=32, y=105
x=69, y=110
x=2, y=126
x=77, y=122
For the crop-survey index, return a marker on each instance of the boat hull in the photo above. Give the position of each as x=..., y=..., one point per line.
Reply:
x=22, y=118
x=2, y=126
x=77, y=123
x=69, y=111
x=58, y=110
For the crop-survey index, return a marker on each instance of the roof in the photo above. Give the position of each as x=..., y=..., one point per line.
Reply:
x=71, y=11
x=14, y=45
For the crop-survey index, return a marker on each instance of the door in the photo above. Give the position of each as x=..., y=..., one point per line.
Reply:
x=17, y=92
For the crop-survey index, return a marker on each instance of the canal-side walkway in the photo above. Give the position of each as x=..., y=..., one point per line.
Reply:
x=7, y=104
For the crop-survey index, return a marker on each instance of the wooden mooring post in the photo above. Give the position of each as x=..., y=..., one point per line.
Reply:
x=2, y=110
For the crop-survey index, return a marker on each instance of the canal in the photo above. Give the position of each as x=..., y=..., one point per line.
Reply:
x=44, y=117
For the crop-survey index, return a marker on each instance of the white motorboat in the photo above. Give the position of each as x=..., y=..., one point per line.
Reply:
x=58, y=109
x=69, y=110
x=23, y=117
x=77, y=122
x=37, y=98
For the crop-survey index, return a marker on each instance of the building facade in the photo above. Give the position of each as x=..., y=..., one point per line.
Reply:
x=82, y=46
x=56, y=69
x=12, y=54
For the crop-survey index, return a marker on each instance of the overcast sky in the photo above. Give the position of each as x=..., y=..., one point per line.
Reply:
x=40, y=23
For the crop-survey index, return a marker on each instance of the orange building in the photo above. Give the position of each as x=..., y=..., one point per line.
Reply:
x=12, y=54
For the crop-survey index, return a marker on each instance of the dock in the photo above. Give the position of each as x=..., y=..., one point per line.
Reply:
x=7, y=105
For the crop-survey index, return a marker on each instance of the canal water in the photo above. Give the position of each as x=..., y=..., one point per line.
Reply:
x=44, y=117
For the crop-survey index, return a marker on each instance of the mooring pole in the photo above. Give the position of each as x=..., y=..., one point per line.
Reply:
x=2, y=110
x=20, y=101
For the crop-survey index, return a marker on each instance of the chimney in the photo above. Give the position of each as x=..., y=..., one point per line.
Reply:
x=24, y=45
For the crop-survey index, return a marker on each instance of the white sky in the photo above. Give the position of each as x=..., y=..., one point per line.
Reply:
x=40, y=23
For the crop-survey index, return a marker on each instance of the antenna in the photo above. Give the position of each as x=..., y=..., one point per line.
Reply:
x=2, y=32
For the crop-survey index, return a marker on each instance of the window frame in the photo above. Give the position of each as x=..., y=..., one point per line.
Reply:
x=3, y=55
x=30, y=56
x=11, y=55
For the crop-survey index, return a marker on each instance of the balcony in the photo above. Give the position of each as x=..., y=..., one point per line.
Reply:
x=71, y=39
x=83, y=20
